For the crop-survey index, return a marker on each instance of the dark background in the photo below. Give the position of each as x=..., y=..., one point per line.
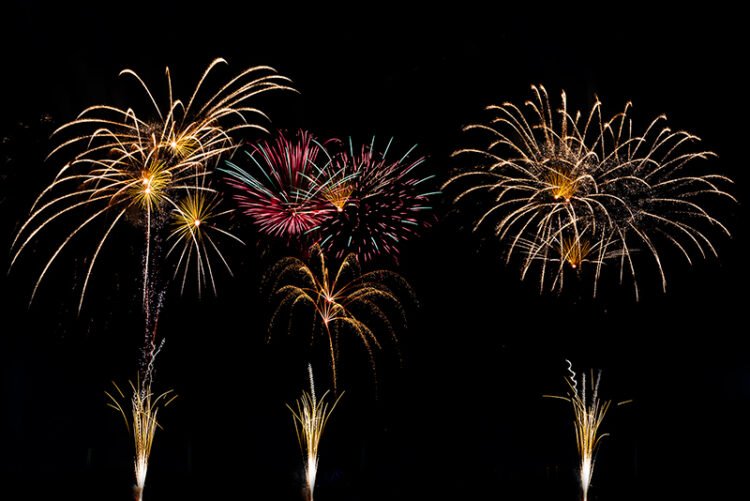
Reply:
x=463, y=417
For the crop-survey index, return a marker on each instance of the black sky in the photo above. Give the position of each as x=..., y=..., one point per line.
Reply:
x=464, y=414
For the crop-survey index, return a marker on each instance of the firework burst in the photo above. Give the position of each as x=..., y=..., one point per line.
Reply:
x=282, y=195
x=310, y=417
x=142, y=168
x=345, y=301
x=568, y=189
x=194, y=235
x=377, y=203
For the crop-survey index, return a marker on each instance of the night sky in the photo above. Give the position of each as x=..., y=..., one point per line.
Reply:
x=462, y=415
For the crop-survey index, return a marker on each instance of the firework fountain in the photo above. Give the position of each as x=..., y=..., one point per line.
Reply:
x=310, y=417
x=588, y=411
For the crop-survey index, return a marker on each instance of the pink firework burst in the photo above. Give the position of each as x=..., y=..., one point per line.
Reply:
x=279, y=190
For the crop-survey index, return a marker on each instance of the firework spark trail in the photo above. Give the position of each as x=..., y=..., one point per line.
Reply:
x=310, y=417
x=282, y=190
x=346, y=301
x=567, y=189
x=378, y=202
x=141, y=417
x=572, y=376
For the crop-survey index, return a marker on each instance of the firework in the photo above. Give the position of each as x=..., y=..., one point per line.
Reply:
x=194, y=234
x=378, y=202
x=346, y=301
x=148, y=171
x=282, y=195
x=127, y=167
x=589, y=411
x=141, y=421
x=571, y=190
x=310, y=417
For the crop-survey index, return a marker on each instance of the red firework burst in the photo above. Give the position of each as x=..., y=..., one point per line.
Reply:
x=280, y=189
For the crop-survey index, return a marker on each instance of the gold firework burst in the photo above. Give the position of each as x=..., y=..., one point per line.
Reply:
x=123, y=163
x=195, y=231
x=561, y=185
x=550, y=175
x=345, y=301
x=338, y=194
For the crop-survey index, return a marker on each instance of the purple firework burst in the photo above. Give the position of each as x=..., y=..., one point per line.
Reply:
x=376, y=203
